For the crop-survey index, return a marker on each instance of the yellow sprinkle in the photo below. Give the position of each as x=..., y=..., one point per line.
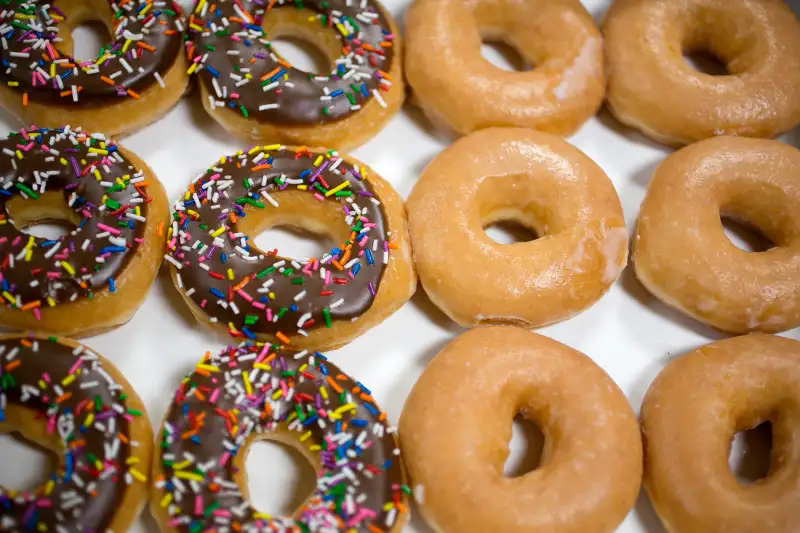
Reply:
x=49, y=487
x=98, y=151
x=166, y=500
x=41, y=526
x=42, y=384
x=277, y=394
x=63, y=161
x=342, y=29
x=97, y=175
x=67, y=380
x=315, y=448
x=126, y=45
x=247, y=386
x=52, y=70
x=51, y=302
x=13, y=84
x=139, y=476
x=306, y=436
x=344, y=408
x=209, y=368
x=132, y=460
x=323, y=392
x=338, y=188
x=28, y=255
x=66, y=266
x=388, y=506
x=200, y=5
x=192, y=69
x=272, y=147
x=10, y=298
x=182, y=465
x=31, y=242
x=218, y=232
x=271, y=296
x=263, y=516
x=303, y=187
x=143, y=11
x=230, y=273
x=19, y=154
x=188, y=475
x=318, y=161
x=262, y=366
x=89, y=420
x=303, y=368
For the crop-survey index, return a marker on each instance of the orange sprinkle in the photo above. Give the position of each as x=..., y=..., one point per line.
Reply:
x=133, y=95
x=337, y=264
x=77, y=444
x=146, y=46
x=400, y=507
x=122, y=437
x=374, y=529
x=26, y=343
x=13, y=364
x=24, y=99
x=263, y=166
x=64, y=397
x=31, y=305
x=283, y=338
x=335, y=386
x=385, y=75
x=241, y=284
x=393, y=245
x=270, y=73
x=160, y=230
x=107, y=80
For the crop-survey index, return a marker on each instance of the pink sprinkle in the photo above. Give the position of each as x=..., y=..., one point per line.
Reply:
x=264, y=351
x=175, y=522
x=51, y=424
x=222, y=512
x=244, y=295
x=37, y=313
x=214, y=396
x=16, y=240
x=46, y=377
x=258, y=305
x=269, y=317
x=319, y=197
x=198, y=505
x=138, y=240
x=75, y=367
x=203, y=304
x=112, y=231
x=328, y=277
x=224, y=458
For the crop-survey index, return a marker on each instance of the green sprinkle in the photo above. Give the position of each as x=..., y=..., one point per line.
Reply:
x=26, y=190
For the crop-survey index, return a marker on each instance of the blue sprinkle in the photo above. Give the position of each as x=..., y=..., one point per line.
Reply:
x=357, y=422
x=320, y=356
x=370, y=260
x=371, y=409
x=111, y=285
x=310, y=420
x=364, y=90
x=363, y=387
x=223, y=257
x=249, y=334
x=323, y=370
x=112, y=249
x=216, y=292
x=195, y=439
x=293, y=308
x=355, y=268
x=336, y=93
x=214, y=72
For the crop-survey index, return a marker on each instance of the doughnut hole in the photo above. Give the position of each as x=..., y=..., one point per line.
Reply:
x=33, y=454
x=708, y=47
x=279, y=477
x=304, y=44
x=754, y=220
x=524, y=449
x=750, y=454
x=49, y=217
x=504, y=55
x=745, y=236
x=303, y=215
x=509, y=232
x=88, y=25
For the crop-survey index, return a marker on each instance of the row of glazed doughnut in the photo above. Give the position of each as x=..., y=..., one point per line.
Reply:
x=255, y=94
x=95, y=278
x=453, y=446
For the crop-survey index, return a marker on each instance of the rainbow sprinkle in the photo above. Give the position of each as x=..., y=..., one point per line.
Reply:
x=229, y=50
x=233, y=397
x=255, y=292
x=77, y=400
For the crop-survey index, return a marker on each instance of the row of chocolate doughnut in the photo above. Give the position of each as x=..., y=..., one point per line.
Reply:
x=67, y=398
x=255, y=94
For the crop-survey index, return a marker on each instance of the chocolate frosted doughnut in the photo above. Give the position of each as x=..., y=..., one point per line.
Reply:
x=95, y=277
x=256, y=392
x=320, y=303
x=64, y=397
x=133, y=81
x=254, y=93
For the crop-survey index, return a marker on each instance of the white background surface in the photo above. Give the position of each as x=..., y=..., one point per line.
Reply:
x=629, y=333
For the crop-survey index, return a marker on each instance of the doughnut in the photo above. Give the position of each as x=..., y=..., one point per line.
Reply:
x=652, y=88
x=540, y=182
x=689, y=417
x=255, y=94
x=257, y=392
x=682, y=255
x=95, y=277
x=318, y=303
x=460, y=90
x=135, y=79
x=456, y=425
x=67, y=399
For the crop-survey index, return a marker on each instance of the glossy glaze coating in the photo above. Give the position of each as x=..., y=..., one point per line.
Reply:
x=456, y=86
x=652, y=88
x=253, y=392
x=740, y=383
x=682, y=254
x=456, y=425
x=68, y=399
x=540, y=182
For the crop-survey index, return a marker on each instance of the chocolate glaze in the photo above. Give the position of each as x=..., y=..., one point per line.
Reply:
x=70, y=506
x=292, y=96
x=278, y=292
x=86, y=259
x=235, y=395
x=158, y=27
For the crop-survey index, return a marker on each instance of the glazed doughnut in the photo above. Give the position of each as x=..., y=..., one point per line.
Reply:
x=135, y=80
x=651, y=87
x=66, y=398
x=258, y=392
x=456, y=425
x=689, y=418
x=95, y=277
x=540, y=182
x=319, y=303
x=255, y=94
x=682, y=254
x=456, y=87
